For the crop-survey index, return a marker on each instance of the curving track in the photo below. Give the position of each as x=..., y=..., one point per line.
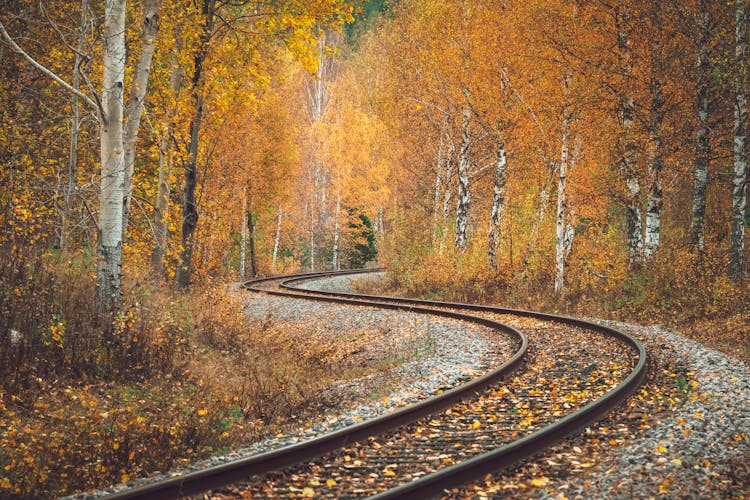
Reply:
x=575, y=372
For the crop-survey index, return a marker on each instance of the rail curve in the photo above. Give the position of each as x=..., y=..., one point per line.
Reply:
x=528, y=446
x=453, y=475
x=199, y=481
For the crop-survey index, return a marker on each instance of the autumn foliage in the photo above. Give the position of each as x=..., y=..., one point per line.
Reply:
x=576, y=156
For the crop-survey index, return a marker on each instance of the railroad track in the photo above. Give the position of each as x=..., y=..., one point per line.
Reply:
x=574, y=373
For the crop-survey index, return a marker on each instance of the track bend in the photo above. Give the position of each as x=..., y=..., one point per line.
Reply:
x=578, y=371
x=217, y=476
x=574, y=373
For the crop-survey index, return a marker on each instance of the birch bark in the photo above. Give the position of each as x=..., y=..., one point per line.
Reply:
x=627, y=150
x=251, y=242
x=560, y=229
x=335, y=258
x=276, y=241
x=137, y=97
x=464, y=197
x=703, y=144
x=243, y=233
x=109, y=252
x=739, y=180
x=498, y=201
x=655, y=166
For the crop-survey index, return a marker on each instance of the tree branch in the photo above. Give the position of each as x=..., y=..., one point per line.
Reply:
x=16, y=48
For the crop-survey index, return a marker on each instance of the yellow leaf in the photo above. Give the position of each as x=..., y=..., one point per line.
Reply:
x=202, y=412
x=664, y=486
x=539, y=481
x=115, y=445
x=331, y=482
x=660, y=449
x=308, y=492
x=389, y=473
x=676, y=461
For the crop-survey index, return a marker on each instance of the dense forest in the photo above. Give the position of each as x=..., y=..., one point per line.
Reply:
x=572, y=155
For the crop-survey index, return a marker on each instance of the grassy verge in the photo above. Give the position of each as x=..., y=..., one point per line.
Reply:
x=176, y=378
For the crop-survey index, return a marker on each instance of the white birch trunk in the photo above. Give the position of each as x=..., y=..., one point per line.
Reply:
x=655, y=165
x=498, y=201
x=703, y=145
x=560, y=229
x=312, y=241
x=276, y=241
x=243, y=233
x=112, y=157
x=464, y=198
x=627, y=150
x=335, y=258
x=739, y=180
x=137, y=97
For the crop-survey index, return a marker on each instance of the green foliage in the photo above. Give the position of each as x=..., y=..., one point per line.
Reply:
x=366, y=14
x=362, y=242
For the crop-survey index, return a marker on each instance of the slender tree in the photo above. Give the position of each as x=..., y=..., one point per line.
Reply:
x=739, y=180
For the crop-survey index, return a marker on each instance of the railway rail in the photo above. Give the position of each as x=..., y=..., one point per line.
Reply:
x=484, y=425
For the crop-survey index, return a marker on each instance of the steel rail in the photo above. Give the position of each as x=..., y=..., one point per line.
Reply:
x=528, y=446
x=237, y=470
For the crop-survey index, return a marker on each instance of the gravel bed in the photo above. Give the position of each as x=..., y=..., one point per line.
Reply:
x=698, y=450
x=446, y=353
x=673, y=439
x=433, y=354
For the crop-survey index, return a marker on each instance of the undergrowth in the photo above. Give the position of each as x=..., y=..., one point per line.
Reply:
x=175, y=378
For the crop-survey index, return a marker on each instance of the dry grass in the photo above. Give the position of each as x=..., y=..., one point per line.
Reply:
x=177, y=378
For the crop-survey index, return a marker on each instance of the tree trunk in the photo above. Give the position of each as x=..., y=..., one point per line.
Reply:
x=464, y=198
x=335, y=259
x=627, y=150
x=137, y=97
x=447, y=194
x=251, y=241
x=243, y=233
x=70, y=187
x=703, y=145
x=560, y=229
x=313, y=220
x=498, y=200
x=112, y=194
x=739, y=180
x=276, y=241
x=189, y=204
x=655, y=165
x=438, y=187
x=166, y=162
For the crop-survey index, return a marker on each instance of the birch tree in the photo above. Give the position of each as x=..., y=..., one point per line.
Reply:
x=110, y=112
x=498, y=200
x=464, y=164
x=627, y=148
x=561, y=231
x=655, y=138
x=739, y=180
x=703, y=135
